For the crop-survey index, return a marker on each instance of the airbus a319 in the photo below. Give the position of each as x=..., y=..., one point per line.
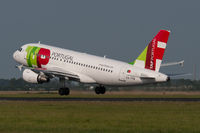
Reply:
x=41, y=63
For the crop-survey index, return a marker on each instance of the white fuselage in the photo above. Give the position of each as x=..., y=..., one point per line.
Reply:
x=94, y=69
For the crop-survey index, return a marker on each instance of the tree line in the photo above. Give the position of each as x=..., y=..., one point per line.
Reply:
x=174, y=85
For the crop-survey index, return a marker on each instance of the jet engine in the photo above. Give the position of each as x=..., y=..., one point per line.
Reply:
x=32, y=77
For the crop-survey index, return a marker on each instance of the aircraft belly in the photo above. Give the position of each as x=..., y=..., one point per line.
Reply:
x=103, y=79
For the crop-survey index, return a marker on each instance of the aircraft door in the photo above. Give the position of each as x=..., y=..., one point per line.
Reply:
x=122, y=75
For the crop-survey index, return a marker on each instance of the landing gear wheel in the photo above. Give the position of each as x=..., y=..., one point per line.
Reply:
x=100, y=90
x=67, y=91
x=97, y=90
x=103, y=90
x=64, y=91
x=61, y=91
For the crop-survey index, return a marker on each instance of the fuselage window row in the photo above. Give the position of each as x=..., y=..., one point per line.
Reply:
x=84, y=65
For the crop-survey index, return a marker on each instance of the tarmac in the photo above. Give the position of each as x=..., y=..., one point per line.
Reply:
x=101, y=99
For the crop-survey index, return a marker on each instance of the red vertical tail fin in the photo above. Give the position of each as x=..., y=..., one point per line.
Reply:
x=156, y=50
x=151, y=57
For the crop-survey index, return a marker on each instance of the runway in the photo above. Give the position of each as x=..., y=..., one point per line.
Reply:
x=101, y=99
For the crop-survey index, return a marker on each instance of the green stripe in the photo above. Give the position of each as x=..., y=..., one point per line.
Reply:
x=32, y=55
x=141, y=57
x=28, y=50
x=34, y=62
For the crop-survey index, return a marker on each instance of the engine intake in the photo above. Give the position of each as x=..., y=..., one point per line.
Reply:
x=32, y=77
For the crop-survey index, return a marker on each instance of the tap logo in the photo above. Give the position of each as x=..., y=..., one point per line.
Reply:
x=37, y=57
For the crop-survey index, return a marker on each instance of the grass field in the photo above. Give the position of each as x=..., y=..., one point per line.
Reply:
x=91, y=117
x=112, y=94
x=98, y=117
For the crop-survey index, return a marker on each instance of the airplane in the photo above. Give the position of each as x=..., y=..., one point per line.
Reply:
x=42, y=62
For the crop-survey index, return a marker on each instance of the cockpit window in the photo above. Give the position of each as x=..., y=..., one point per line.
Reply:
x=20, y=49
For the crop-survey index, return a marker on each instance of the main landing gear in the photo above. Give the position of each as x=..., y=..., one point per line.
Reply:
x=64, y=90
x=100, y=90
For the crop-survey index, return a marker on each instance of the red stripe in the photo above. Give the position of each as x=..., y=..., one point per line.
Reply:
x=147, y=64
x=159, y=53
x=150, y=58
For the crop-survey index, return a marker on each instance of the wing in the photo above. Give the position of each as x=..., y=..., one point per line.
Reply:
x=57, y=72
x=61, y=73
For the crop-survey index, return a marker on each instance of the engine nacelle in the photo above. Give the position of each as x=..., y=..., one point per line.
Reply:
x=32, y=77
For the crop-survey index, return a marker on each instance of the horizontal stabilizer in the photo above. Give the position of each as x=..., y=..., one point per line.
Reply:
x=179, y=75
x=181, y=63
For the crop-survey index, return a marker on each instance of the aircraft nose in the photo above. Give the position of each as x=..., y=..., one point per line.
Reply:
x=15, y=55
